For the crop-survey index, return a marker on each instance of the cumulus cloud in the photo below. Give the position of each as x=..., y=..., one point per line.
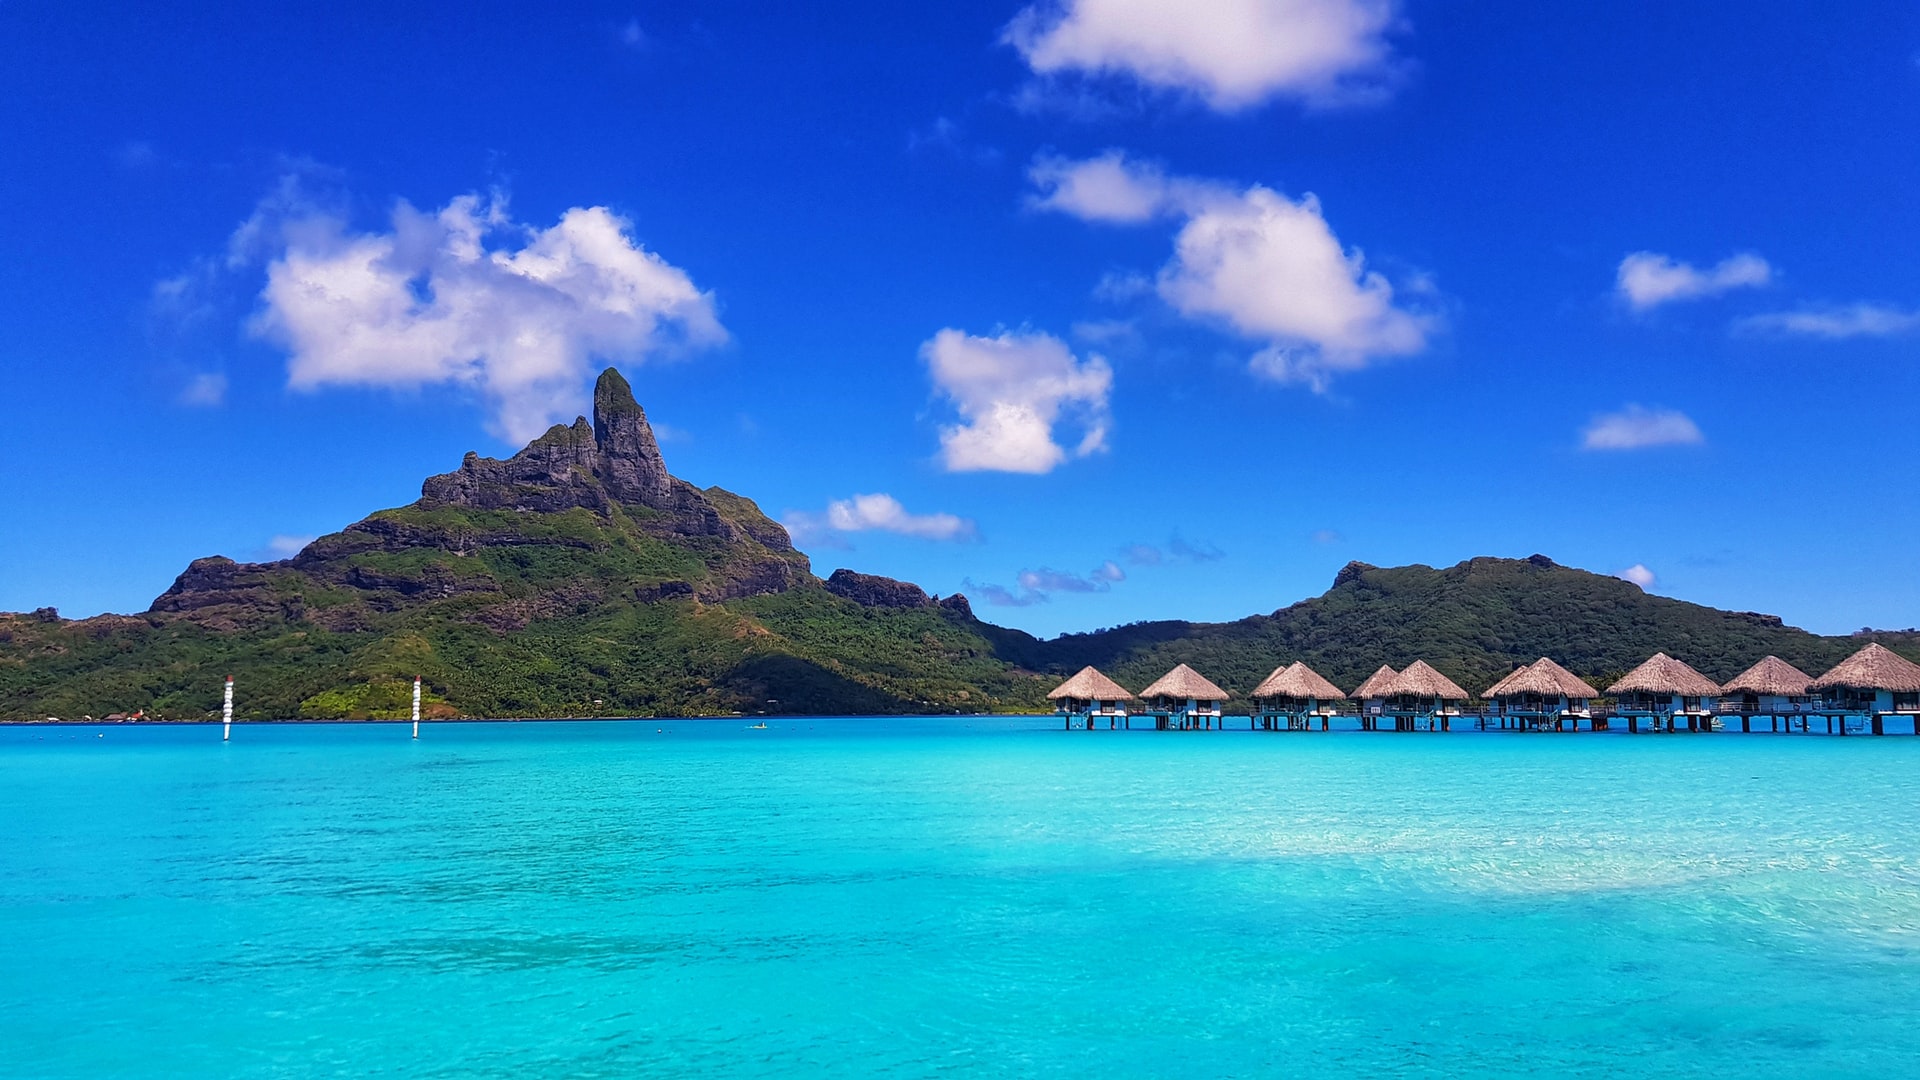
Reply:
x=1272, y=269
x=1011, y=391
x=878, y=512
x=466, y=295
x=1232, y=54
x=1848, y=321
x=1638, y=574
x=1108, y=187
x=1636, y=427
x=1647, y=279
x=1268, y=267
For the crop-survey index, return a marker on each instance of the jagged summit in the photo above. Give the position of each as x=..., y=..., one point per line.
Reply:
x=613, y=459
x=651, y=537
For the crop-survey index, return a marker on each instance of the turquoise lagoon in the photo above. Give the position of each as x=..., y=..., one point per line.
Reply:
x=954, y=897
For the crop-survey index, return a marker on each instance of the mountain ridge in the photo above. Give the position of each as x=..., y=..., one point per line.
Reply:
x=579, y=577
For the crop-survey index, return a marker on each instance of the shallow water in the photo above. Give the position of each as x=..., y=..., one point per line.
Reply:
x=915, y=897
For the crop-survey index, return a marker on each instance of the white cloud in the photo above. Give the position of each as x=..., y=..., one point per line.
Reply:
x=880, y=513
x=1647, y=279
x=1230, y=53
x=1849, y=321
x=1267, y=266
x=286, y=547
x=466, y=295
x=206, y=390
x=1272, y=269
x=1109, y=187
x=1638, y=574
x=1011, y=391
x=1113, y=188
x=1636, y=427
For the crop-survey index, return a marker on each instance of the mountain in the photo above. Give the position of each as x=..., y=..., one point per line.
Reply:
x=1474, y=622
x=580, y=578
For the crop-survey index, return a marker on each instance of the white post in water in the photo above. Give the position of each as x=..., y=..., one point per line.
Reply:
x=416, y=706
x=226, y=713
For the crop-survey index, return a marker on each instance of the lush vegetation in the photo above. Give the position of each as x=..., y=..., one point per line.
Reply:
x=1474, y=622
x=507, y=614
x=578, y=614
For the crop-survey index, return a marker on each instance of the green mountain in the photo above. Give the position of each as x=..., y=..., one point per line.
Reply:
x=1474, y=622
x=580, y=578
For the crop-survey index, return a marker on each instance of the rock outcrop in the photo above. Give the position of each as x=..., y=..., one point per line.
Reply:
x=610, y=466
x=612, y=460
x=1352, y=572
x=872, y=590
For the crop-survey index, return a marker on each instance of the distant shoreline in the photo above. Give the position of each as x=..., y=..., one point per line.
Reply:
x=63, y=722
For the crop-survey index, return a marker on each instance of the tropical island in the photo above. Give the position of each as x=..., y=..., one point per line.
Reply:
x=580, y=578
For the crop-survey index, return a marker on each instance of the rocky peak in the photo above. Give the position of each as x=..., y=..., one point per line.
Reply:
x=615, y=458
x=630, y=464
x=872, y=590
x=1352, y=572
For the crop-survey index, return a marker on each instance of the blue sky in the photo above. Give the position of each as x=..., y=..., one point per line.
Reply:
x=1093, y=310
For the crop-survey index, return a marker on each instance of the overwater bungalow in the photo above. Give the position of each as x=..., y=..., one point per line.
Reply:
x=1295, y=695
x=1421, y=693
x=1875, y=682
x=1372, y=696
x=1184, y=699
x=1090, y=696
x=1541, y=694
x=1666, y=692
x=1771, y=688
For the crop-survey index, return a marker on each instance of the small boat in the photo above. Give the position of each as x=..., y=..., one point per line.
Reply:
x=761, y=726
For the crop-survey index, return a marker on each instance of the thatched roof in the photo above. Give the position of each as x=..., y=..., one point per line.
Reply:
x=1543, y=677
x=1770, y=676
x=1297, y=680
x=1376, y=684
x=1662, y=674
x=1090, y=685
x=1421, y=680
x=1184, y=682
x=1875, y=667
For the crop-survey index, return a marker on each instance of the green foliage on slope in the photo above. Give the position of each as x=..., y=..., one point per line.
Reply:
x=569, y=619
x=1474, y=622
x=506, y=614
